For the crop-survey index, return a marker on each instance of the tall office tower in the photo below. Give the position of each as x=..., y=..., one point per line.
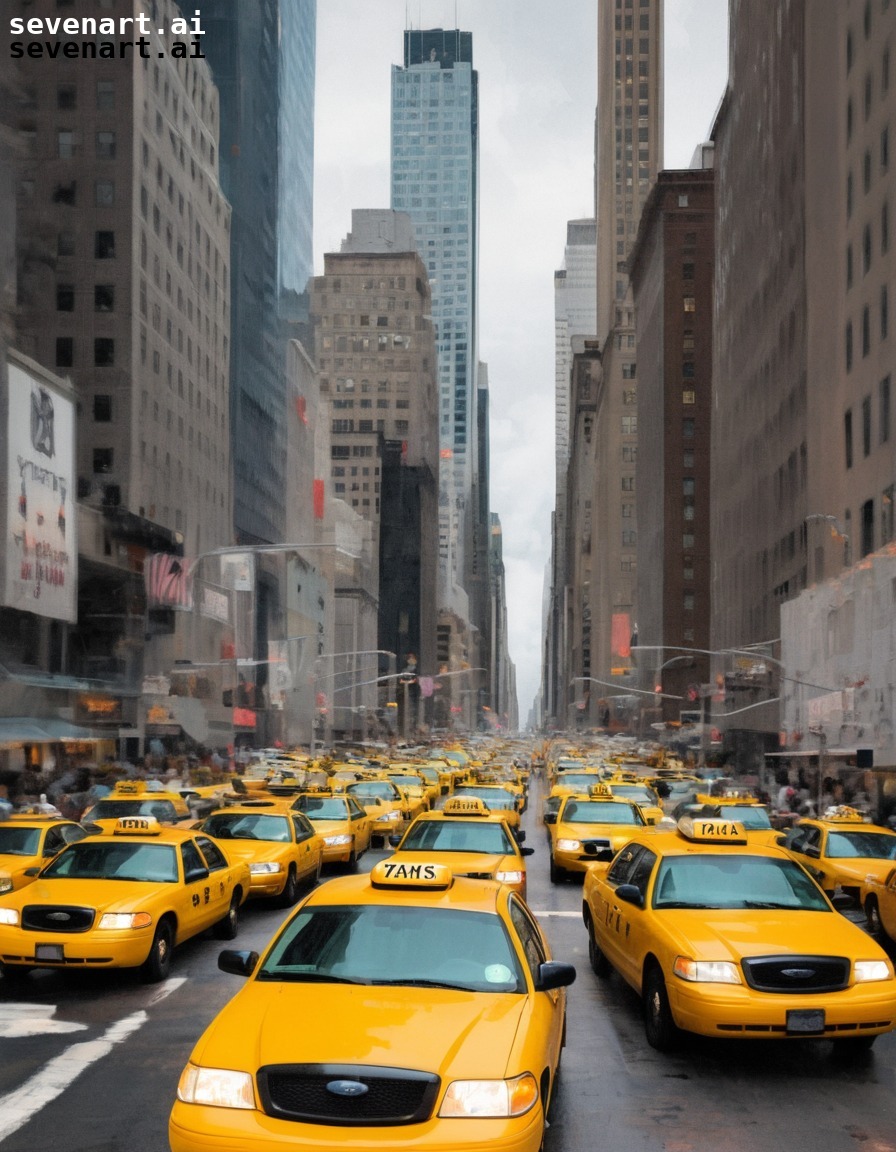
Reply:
x=575, y=314
x=435, y=173
x=375, y=348
x=262, y=57
x=124, y=277
x=629, y=151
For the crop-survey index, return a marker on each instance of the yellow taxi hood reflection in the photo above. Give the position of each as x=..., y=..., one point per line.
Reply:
x=359, y=1024
x=104, y=895
x=729, y=933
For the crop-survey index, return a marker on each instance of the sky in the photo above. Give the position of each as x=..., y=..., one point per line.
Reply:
x=537, y=65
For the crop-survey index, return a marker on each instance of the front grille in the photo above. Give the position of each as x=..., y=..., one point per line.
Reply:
x=391, y=1095
x=595, y=848
x=57, y=918
x=797, y=974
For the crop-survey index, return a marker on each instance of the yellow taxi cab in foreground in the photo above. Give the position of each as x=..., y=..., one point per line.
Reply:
x=138, y=798
x=590, y=826
x=841, y=850
x=733, y=940
x=281, y=847
x=122, y=899
x=405, y=1010
x=27, y=841
x=341, y=822
x=468, y=839
x=496, y=798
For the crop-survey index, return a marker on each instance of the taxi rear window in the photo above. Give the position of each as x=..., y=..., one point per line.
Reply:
x=383, y=944
x=600, y=812
x=458, y=836
x=711, y=880
x=115, y=860
x=241, y=826
x=163, y=810
x=19, y=841
x=320, y=807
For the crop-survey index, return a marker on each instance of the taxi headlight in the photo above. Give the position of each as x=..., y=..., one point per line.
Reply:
x=125, y=920
x=5, y=883
x=216, y=1087
x=386, y=818
x=266, y=866
x=9, y=916
x=509, y=877
x=568, y=845
x=342, y=838
x=707, y=971
x=478, y=1098
x=865, y=970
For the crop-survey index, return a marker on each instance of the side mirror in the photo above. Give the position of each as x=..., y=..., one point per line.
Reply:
x=651, y=819
x=32, y=871
x=550, y=817
x=813, y=850
x=520, y=836
x=237, y=962
x=527, y=851
x=631, y=894
x=781, y=841
x=395, y=839
x=554, y=974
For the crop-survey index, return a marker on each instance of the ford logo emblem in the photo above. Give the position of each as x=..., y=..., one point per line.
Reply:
x=347, y=1088
x=58, y=916
x=798, y=973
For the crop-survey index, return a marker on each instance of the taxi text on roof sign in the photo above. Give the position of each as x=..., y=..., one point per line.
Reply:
x=394, y=874
x=600, y=790
x=465, y=805
x=137, y=825
x=712, y=831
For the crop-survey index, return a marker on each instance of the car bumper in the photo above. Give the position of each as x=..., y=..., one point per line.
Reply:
x=740, y=1013
x=575, y=861
x=266, y=884
x=79, y=950
x=195, y=1128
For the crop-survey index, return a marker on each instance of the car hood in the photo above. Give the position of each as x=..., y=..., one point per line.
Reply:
x=254, y=851
x=447, y=1032
x=733, y=933
x=105, y=895
x=862, y=869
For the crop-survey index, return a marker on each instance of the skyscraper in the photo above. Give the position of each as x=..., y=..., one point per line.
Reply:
x=435, y=153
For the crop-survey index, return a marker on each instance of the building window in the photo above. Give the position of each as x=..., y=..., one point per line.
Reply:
x=628, y=511
x=848, y=195
x=867, y=527
x=104, y=297
x=629, y=425
x=885, y=227
x=66, y=97
x=103, y=459
x=885, y=149
x=884, y=312
x=103, y=351
x=105, y=193
x=65, y=351
x=866, y=330
x=628, y=538
x=884, y=410
x=628, y=483
x=866, y=426
x=687, y=270
x=687, y=542
x=848, y=266
x=688, y=369
x=689, y=396
x=690, y=304
x=849, y=346
x=688, y=602
x=688, y=428
x=688, y=485
x=104, y=246
x=105, y=145
x=105, y=95
x=629, y=453
x=688, y=458
x=65, y=297
x=847, y=436
x=102, y=409
x=866, y=171
x=866, y=249
x=886, y=515
x=65, y=145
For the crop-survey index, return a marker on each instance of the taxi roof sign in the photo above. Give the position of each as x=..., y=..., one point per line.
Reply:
x=465, y=806
x=709, y=830
x=601, y=790
x=843, y=814
x=401, y=874
x=137, y=826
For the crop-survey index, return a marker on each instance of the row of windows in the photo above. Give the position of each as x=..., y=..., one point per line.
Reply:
x=884, y=327
x=348, y=404
x=883, y=422
x=401, y=426
x=103, y=352
x=103, y=297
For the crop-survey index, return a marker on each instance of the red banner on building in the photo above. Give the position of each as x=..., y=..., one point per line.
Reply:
x=318, y=499
x=621, y=635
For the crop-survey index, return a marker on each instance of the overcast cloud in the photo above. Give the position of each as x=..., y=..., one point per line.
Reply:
x=538, y=91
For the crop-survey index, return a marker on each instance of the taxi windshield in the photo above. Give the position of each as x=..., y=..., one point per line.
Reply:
x=495, y=798
x=459, y=836
x=163, y=810
x=875, y=845
x=753, y=817
x=599, y=812
x=385, y=944
x=321, y=807
x=637, y=792
x=115, y=860
x=412, y=781
x=716, y=880
x=377, y=789
x=242, y=826
x=19, y=841
x=577, y=780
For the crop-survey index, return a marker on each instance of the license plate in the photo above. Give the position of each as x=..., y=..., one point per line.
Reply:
x=805, y=1021
x=49, y=952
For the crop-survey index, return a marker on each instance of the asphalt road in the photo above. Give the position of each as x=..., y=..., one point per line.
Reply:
x=89, y=1063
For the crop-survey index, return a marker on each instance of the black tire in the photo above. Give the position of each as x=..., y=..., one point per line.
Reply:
x=872, y=916
x=558, y=874
x=659, y=1026
x=157, y=964
x=600, y=965
x=351, y=865
x=315, y=879
x=290, y=892
x=853, y=1047
x=229, y=926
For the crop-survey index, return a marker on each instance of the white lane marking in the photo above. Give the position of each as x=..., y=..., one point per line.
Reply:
x=20, y=1105
x=552, y=912
x=18, y=1020
x=166, y=989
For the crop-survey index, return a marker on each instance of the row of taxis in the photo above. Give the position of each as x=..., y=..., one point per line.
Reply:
x=432, y=1012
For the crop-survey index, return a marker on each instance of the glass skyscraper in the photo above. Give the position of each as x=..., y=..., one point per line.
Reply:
x=435, y=154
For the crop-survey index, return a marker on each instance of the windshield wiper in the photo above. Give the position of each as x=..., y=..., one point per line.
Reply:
x=308, y=977
x=412, y=983
x=684, y=904
x=773, y=904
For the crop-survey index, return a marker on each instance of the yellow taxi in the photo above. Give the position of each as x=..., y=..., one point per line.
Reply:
x=138, y=798
x=841, y=850
x=340, y=821
x=409, y=780
x=640, y=792
x=470, y=840
x=880, y=906
x=740, y=806
x=122, y=899
x=390, y=810
x=432, y=1018
x=590, y=826
x=564, y=784
x=27, y=841
x=281, y=848
x=496, y=798
x=731, y=939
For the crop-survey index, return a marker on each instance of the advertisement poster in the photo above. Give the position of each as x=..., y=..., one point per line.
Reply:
x=41, y=545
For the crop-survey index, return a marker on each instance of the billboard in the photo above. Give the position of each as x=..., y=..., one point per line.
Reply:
x=41, y=546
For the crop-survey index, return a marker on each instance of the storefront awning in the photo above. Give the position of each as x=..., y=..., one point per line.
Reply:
x=44, y=730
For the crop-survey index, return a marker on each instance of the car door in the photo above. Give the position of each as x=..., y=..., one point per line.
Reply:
x=194, y=912
x=609, y=924
x=804, y=841
x=220, y=878
x=360, y=824
x=548, y=1007
x=633, y=934
x=307, y=847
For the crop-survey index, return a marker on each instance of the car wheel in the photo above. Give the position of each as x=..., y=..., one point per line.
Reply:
x=157, y=964
x=290, y=892
x=227, y=928
x=351, y=865
x=659, y=1027
x=315, y=879
x=558, y=874
x=872, y=916
x=600, y=965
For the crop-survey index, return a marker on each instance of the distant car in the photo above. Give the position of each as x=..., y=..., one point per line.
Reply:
x=28, y=841
x=122, y=899
x=842, y=849
x=138, y=798
x=403, y=1009
x=590, y=826
x=341, y=822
